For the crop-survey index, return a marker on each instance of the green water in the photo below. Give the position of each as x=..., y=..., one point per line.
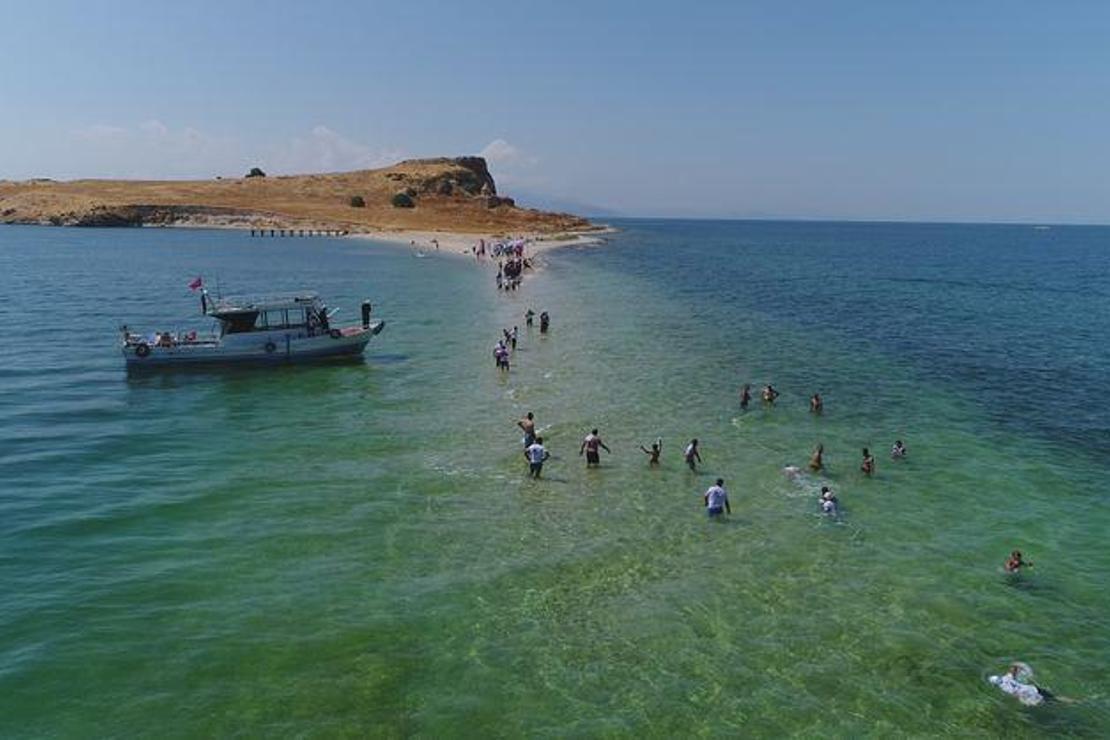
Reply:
x=356, y=550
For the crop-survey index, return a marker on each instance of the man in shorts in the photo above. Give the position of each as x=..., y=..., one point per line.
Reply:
x=590, y=446
x=716, y=500
x=528, y=426
x=536, y=455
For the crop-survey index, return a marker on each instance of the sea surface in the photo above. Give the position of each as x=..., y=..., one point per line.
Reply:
x=355, y=550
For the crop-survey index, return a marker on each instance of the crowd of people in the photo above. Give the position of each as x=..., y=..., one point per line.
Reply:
x=715, y=499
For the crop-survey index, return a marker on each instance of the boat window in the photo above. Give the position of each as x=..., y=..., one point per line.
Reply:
x=236, y=323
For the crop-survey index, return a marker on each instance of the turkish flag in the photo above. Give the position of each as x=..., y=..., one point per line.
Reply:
x=195, y=285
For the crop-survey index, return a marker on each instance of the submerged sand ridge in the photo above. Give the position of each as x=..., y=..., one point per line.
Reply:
x=447, y=194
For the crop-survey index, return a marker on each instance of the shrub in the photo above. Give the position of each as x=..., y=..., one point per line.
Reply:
x=402, y=200
x=357, y=201
x=256, y=172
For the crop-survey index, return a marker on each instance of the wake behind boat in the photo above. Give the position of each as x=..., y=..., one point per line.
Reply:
x=262, y=329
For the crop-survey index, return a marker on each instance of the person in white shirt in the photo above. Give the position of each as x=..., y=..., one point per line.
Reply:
x=536, y=455
x=716, y=500
x=829, y=503
x=691, y=454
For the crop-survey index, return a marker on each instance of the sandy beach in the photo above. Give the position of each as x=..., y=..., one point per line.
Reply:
x=460, y=244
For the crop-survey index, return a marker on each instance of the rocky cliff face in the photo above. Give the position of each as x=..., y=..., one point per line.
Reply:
x=461, y=175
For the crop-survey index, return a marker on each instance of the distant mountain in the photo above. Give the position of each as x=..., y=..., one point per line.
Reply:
x=559, y=204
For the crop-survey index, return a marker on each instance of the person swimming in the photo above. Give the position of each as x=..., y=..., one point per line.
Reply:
x=867, y=465
x=769, y=394
x=816, y=405
x=654, y=452
x=830, y=504
x=898, y=450
x=1016, y=682
x=817, y=462
x=1015, y=562
x=745, y=395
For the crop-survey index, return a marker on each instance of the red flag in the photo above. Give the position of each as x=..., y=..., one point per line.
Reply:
x=195, y=285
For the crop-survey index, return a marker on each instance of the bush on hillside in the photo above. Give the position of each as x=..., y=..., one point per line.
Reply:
x=256, y=172
x=402, y=200
x=357, y=201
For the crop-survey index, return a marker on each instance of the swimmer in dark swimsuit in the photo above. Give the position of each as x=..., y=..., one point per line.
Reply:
x=868, y=463
x=745, y=395
x=817, y=462
x=656, y=449
x=816, y=405
x=1016, y=563
x=769, y=394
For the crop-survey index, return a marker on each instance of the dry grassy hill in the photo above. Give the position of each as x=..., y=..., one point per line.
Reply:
x=457, y=195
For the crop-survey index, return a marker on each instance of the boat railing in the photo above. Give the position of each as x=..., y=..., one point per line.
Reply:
x=252, y=302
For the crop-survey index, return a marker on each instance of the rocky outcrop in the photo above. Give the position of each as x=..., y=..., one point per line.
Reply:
x=144, y=215
x=462, y=175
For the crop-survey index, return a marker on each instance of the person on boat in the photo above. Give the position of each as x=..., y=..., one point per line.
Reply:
x=769, y=394
x=898, y=451
x=528, y=426
x=654, y=452
x=716, y=500
x=1015, y=562
x=867, y=465
x=590, y=446
x=745, y=395
x=528, y=317
x=536, y=456
x=816, y=405
x=691, y=454
x=165, y=339
x=817, y=460
x=545, y=320
x=323, y=317
x=830, y=504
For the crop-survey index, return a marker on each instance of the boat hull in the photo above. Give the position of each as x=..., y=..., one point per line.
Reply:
x=256, y=348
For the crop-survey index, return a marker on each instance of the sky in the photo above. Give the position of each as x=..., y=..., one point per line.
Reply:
x=949, y=111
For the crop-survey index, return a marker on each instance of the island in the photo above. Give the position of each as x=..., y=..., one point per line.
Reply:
x=449, y=194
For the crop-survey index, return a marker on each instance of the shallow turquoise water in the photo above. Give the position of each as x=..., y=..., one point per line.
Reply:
x=354, y=549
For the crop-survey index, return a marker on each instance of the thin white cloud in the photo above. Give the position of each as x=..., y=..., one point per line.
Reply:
x=155, y=128
x=100, y=131
x=324, y=150
x=503, y=154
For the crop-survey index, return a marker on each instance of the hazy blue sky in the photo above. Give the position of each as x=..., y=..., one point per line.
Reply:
x=906, y=110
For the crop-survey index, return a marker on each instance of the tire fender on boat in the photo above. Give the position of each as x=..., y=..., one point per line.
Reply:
x=335, y=334
x=142, y=349
x=270, y=348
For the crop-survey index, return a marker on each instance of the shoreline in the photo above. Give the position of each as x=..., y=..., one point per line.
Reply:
x=458, y=244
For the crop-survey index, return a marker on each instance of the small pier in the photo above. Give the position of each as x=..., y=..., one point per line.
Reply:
x=298, y=232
